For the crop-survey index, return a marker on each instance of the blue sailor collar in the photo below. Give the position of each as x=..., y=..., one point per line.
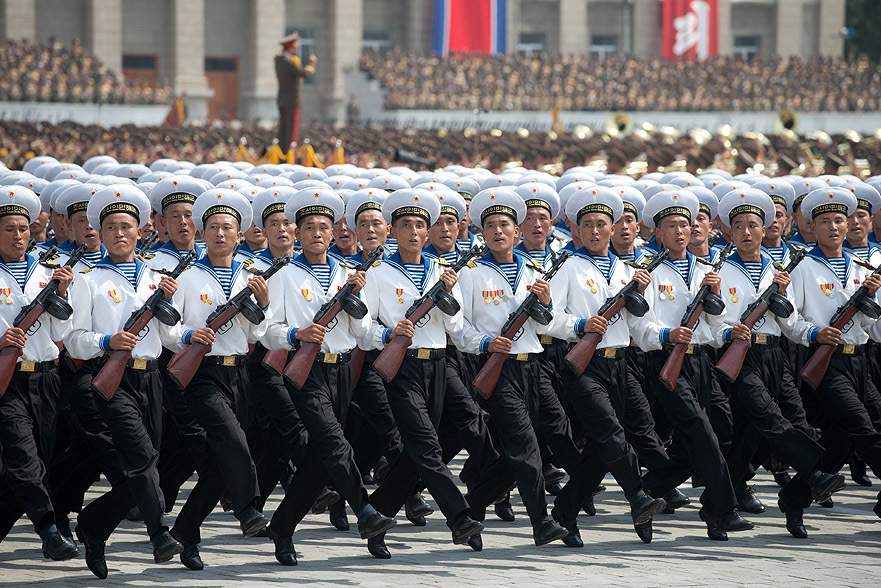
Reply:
x=86, y=262
x=430, y=251
x=691, y=265
x=651, y=245
x=817, y=253
x=300, y=261
x=613, y=261
x=205, y=264
x=168, y=247
x=139, y=269
x=395, y=261
x=67, y=246
x=490, y=261
x=735, y=260
x=32, y=265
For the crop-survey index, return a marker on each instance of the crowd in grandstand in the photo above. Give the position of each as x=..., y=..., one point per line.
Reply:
x=376, y=146
x=66, y=73
x=548, y=81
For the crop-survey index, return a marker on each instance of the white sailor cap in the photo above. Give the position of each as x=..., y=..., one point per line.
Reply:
x=249, y=192
x=175, y=190
x=668, y=177
x=712, y=180
x=270, y=201
x=805, y=186
x=388, y=182
x=145, y=187
x=241, y=165
x=868, y=197
x=452, y=203
x=541, y=195
x=34, y=162
x=709, y=202
x=234, y=184
x=466, y=187
x=567, y=191
x=133, y=171
x=336, y=181
x=271, y=169
x=306, y=173
x=501, y=200
x=227, y=174
x=163, y=165
x=411, y=202
x=155, y=176
x=50, y=189
x=712, y=171
x=749, y=200
x=76, y=198
x=311, y=201
x=57, y=194
x=723, y=188
x=434, y=188
x=829, y=199
x=538, y=178
x=220, y=201
x=651, y=177
x=687, y=181
x=642, y=184
x=649, y=192
x=344, y=194
x=597, y=199
x=302, y=184
x=37, y=185
x=274, y=181
x=495, y=181
x=780, y=191
x=832, y=180
x=356, y=183
x=103, y=168
x=567, y=179
x=19, y=200
x=632, y=199
x=124, y=198
x=668, y=203
x=43, y=170
x=361, y=200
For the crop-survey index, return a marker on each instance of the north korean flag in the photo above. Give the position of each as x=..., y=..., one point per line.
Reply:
x=473, y=26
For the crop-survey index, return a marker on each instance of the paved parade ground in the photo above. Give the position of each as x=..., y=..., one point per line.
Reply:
x=844, y=549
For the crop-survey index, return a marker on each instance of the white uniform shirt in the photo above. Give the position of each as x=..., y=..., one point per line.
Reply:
x=167, y=257
x=296, y=295
x=668, y=295
x=579, y=290
x=40, y=344
x=488, y=299
x=390, y=292
x=200, y=293
x=97, y=314
x=817, y=293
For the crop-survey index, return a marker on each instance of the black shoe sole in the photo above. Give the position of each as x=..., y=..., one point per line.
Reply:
x=365, y=534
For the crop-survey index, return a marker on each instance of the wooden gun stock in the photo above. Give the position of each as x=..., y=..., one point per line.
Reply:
x=107, y=380
x=358, y=356
x=488, y=377
x=184, y=364
x=580, y=355
x=389, y=361
x=274, y=361
x=731, y=362
x=670, y=372
x=301, y=364
x=815, y=368
x=9, y=355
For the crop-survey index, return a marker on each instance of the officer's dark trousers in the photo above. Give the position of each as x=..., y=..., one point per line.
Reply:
x=763, y=377
x=134, y=417
x=216, y=400
x=637, y=419
x=27, y=436
x=377, y=432
x=321, y=403
x=700, y=452
x=416, y=396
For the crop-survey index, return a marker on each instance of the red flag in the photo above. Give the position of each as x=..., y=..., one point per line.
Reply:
x=691, y=29
x=175, y=116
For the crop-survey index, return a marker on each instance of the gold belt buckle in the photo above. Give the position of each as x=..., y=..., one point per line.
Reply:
x=27, y=365
x=522, y=356
x=761, y=338
x=229, y=360
x=423, y=353
x=139, y=364
x=330, y=357
x=546, y=339
x=610, y=352
x=690, y=349
x=849, y=349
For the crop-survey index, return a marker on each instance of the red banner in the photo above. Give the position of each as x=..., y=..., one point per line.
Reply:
x=691, y=29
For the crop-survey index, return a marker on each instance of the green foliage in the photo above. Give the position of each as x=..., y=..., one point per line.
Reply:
x=864, y=16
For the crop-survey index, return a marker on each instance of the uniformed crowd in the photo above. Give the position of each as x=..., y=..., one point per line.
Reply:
x=254, y=314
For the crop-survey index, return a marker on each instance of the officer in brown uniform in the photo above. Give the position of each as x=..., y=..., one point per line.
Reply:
x=290, y=70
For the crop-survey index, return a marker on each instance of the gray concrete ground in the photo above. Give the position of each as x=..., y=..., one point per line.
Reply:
x=844, y=549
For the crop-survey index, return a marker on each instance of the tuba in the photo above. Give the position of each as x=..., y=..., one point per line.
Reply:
x=619, y=124
x=786, y=120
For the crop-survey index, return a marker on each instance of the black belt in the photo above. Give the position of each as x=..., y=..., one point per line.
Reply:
x=523, y=356
x=848, y=349
x=548, y=340
x=35, y=366
x=762, y=339
x=143, y=364
x=225, y=360
x=333, y=357
x=426, y=353
x=610, y=352
x=691, y=348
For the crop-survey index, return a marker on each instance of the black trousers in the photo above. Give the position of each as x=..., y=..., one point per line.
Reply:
x=285, y=437
x=134, y=418
x=322, y=403
x=597, y=398
x=416, y=396
x=762, y=379
x=371, y=424
x=215, y=398
x=700, y=448
x=637, y=419
x=28, y=412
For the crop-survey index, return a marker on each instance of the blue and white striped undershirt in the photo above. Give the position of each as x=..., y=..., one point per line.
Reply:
x=862, y=252
x=754, y=269
x=839, y=266
x=604, y=263
x=19, y=269
x=510, y=271
x=776, y=253
x=450, y=257
x=224, y=276
x=322, y=274
x=627, y=256
x=93, y=257
x=391, y=246
x=539, y=256
x=681, y=266
x=130, y=270
x=416, y=271
x=463, y=244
